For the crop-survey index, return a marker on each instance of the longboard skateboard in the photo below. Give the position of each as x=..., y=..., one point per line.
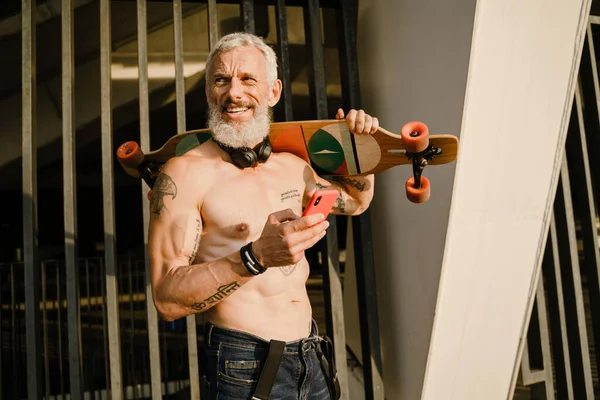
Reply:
x=327, y=145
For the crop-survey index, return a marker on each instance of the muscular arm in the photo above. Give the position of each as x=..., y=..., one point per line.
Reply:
x=180, y=287
x=355, y=193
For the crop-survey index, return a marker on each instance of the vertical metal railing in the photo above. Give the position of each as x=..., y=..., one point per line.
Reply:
x=114, y=340
x=283, y=56
x=70, y=202
x=30, y=192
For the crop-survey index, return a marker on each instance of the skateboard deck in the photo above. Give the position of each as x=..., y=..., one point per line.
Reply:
x=327, y=145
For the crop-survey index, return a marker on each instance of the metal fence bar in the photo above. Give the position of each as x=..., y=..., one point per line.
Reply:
x=315, y=59
x=2, y=266
x=545, y=340
x=543, y=375
x=13, y=332
x=30, y=223
x=192, y=337
x=585, y=203
x=59, y=320
x=114, y=340
x=557, y=317
x=247, y=11
x=590, y=91
x=284, y=59
x=213, y=29
x=361, y=225
x=575, y=315
x=70, y=203
x=45, y=332
x=152, y=315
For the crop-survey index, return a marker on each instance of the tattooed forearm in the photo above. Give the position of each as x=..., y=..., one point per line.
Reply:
x=360, y=186
x=196, y=243
x=164, y=186
x=222, y=292
x=340, y=204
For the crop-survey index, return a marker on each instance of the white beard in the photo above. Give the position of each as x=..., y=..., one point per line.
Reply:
x=235, y=134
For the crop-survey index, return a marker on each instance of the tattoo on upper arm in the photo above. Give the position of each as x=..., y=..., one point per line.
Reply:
x=222, y=292
x=164, y=186
x=360, y=186
x=196, y=243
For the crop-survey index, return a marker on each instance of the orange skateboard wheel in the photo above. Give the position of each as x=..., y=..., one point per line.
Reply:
x=418, y=195
x=130, y=154
x=415, y=136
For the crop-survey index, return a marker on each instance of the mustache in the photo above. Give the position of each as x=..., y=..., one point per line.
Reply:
x=229, y=102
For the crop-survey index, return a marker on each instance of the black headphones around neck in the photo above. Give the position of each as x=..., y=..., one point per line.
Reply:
x=245, y=157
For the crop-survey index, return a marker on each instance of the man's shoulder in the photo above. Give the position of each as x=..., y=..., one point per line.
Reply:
x=290, y=159
x=189, y=165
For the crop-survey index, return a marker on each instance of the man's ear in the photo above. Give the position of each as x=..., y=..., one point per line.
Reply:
x=275, y=93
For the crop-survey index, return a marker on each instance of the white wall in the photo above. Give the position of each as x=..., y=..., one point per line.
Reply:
x=415, y=55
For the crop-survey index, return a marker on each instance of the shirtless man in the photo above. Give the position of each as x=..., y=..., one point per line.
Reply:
x=205, y=210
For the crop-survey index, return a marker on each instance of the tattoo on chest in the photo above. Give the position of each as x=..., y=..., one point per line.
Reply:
x=288, y=269
x=221, y=293
x=196, y=243
x=164, y=186
x=290, y=194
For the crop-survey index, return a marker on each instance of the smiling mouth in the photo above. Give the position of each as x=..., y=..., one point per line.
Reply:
x=235, y=110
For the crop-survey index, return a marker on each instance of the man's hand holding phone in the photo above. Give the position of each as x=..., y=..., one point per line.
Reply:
x=286, y=236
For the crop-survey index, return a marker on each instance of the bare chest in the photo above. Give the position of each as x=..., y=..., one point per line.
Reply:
x=238, y=206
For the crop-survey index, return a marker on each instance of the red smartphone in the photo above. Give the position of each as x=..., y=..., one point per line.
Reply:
x=322, y=201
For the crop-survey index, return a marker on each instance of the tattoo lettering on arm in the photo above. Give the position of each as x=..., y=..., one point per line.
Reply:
x=196, y=243
x=164, y=186
x=222, y=292
x=360, y=186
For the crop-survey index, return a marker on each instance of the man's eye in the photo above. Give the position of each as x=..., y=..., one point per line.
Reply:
x=220, y=80
x=247, y=79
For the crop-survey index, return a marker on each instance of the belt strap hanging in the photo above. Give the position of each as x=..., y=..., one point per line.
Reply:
x=269, y=371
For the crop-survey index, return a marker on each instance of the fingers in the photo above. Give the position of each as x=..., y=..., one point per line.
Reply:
x=340, y=114
x=303, y=223
x=374, y=126
x=361, y=123
x=297, y=251
x=283, y=216
x=351, y=120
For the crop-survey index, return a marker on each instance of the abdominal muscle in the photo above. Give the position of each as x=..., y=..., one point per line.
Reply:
x=271, y=306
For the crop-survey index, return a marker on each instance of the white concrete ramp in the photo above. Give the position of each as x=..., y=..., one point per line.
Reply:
x=478, y=274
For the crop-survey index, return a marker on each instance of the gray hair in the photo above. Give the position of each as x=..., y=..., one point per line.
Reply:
x=239, y=39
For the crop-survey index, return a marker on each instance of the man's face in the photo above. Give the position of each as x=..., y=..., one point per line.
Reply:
x=239, y=97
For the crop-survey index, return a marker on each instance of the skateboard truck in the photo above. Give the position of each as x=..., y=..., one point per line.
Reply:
x=420, y=161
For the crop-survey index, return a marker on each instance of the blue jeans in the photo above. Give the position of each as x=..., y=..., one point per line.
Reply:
x=235, y=360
